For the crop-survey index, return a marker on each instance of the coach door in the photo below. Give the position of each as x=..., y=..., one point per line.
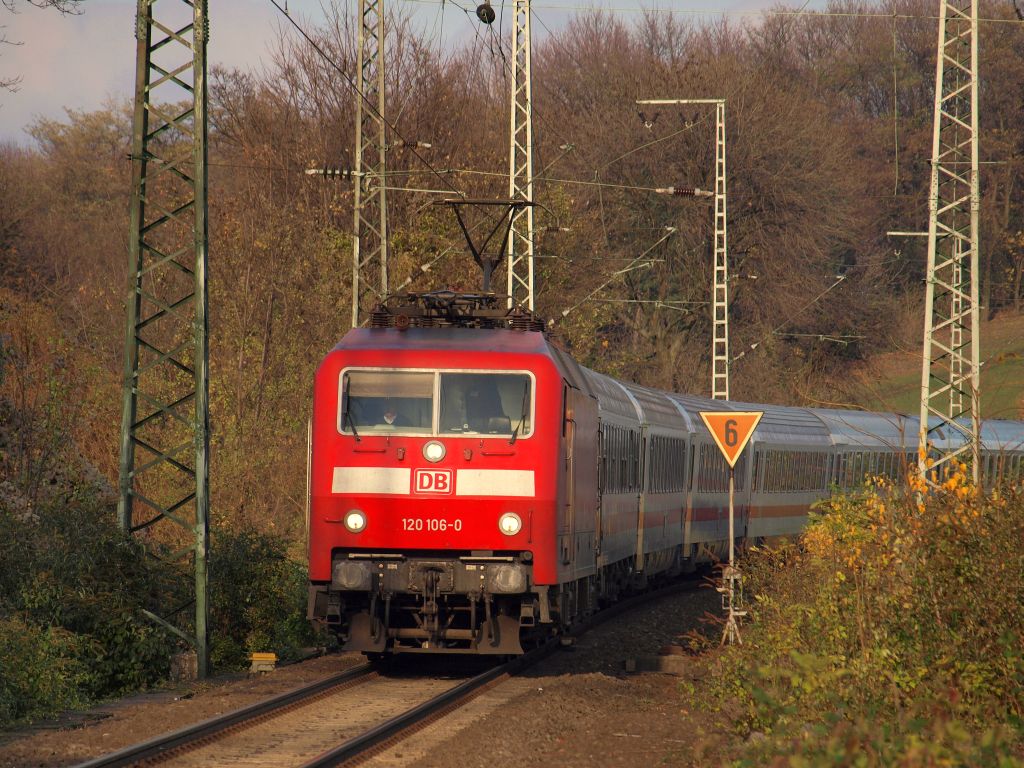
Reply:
x=641, y=499
x=581, y=480
x=744, y=487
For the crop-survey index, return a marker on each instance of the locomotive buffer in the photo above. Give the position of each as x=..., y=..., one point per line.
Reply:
x=731, y=431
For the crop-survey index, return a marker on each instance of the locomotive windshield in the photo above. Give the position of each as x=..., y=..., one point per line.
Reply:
x=436, y=403
x=388, y=401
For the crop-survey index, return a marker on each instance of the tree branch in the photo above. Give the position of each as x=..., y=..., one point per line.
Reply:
x=65, y=7
x=8, y=83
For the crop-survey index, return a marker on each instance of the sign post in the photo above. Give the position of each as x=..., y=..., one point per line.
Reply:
x=731, y=431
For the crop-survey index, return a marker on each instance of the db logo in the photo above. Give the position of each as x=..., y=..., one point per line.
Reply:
x=433, y=481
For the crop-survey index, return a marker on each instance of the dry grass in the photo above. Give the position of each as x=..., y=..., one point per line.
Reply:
x=892, y=382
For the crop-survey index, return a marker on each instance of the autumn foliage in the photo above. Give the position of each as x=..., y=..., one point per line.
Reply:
x=829, y=143
x=889, y=634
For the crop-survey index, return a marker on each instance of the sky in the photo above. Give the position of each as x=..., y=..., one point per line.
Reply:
x=82, y=61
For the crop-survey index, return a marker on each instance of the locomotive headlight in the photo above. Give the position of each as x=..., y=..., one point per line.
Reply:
x=510, y=523
x=355, y=520
x=433, y=451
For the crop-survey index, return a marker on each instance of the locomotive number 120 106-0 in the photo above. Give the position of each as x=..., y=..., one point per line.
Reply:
x=430, y=524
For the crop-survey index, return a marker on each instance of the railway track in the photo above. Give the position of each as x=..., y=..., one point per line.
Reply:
x=329, y=723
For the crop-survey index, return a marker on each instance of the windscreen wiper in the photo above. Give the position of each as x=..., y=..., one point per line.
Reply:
x=346, y=414
x=522, y=417
x=352, y=423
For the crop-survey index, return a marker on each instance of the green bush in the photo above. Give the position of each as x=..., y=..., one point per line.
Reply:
x=76, y=584
x=891, y=634
x=72, y=590
x=258, y=598
x=41, y=671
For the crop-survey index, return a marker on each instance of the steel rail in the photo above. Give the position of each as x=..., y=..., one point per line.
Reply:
x=190, y=736
x=399, y=727
x=404, y=725
x=379, y=737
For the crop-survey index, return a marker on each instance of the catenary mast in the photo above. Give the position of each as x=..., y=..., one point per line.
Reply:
x=370, y=235
x=951, y=367
x=520, y=172
x=165, y=430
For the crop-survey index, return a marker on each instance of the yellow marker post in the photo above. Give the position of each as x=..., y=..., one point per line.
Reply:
x=262, y=662
x=731, y=431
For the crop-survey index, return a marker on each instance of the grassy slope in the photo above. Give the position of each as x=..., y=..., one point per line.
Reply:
x=892, y=382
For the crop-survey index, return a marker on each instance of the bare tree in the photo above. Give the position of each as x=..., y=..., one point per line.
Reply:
x=10, y=83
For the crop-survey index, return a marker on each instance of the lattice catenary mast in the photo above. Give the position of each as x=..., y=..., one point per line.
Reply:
x=370, y=237
x=720, y=288
x=164, y=486
x=520, y=171
x=951, y=367
x=720, y=295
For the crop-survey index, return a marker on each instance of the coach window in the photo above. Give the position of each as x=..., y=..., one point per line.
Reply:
x=377, y=402
x=614, y=460
x=486, y=403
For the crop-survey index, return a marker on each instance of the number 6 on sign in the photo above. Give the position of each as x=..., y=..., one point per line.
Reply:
x=731, y=430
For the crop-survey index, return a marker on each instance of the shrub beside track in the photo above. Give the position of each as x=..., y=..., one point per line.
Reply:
x=891, y=634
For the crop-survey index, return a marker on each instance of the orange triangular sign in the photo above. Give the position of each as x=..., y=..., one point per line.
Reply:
x=731, y=430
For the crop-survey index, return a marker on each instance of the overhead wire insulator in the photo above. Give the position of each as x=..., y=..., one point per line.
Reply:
x=402, y=143
x=684, y=191
x=485, y=13
x=331, y=173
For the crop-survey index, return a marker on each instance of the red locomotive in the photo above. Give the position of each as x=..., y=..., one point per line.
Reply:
x=473, y=489
x=438, y=479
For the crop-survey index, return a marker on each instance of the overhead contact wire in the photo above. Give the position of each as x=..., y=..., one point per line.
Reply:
x=348, y=79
